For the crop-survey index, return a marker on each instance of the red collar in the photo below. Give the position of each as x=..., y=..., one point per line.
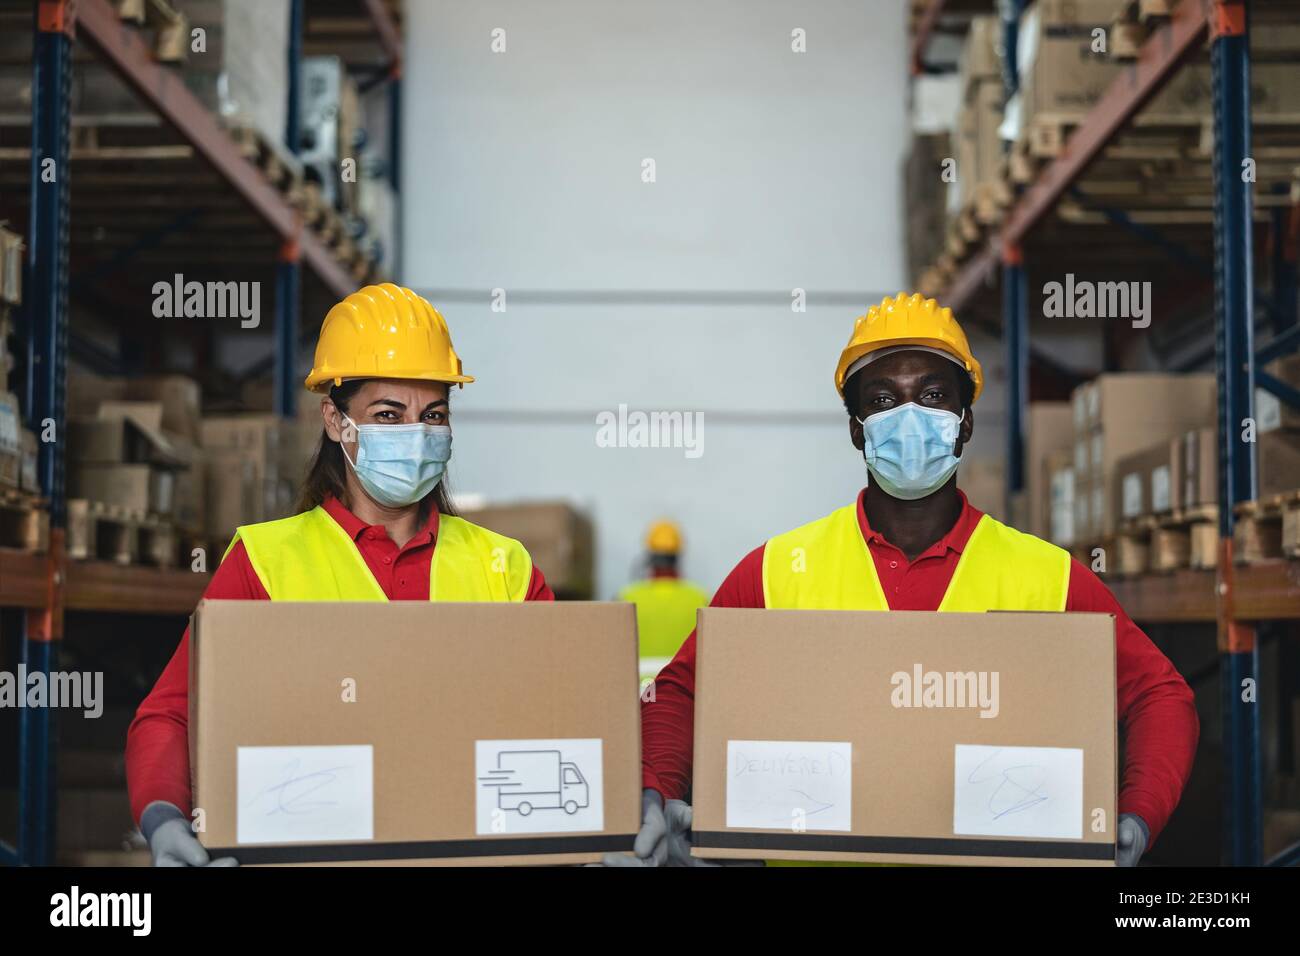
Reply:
x=355, y=527
x=954, y=540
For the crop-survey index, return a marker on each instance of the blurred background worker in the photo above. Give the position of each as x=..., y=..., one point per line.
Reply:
x=665, y=603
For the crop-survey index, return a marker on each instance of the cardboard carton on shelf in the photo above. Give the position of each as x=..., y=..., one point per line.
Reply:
x=1144, y=482
x=10, y=441
x=868, y=737
x=1123, y=413
x=1277, y=463
x=476, y=733
x=1048, y=432
x=1270, y=411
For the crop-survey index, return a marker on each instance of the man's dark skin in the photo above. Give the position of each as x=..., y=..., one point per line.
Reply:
x=930, y=381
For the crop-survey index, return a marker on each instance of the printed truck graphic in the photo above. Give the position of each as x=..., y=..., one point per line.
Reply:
x=528, y=780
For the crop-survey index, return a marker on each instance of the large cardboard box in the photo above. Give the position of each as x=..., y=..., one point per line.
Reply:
x=1118, y=414
x=1065, y=78
x=1047, y=433
x=913, y=737
x=1271, y=412
x=415, y=732
x=979, y=147
x=979, y=59
x=1060, y=506
x=139, y=489
x=1197, y=481
x=558, y=537
x=1143, y=483
x=178, y=398
x=11, y=447
x=1278, y=463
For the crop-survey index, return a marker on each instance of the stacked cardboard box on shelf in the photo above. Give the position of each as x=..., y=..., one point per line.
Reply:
x=1047, y=433
x=1118, y=414
x=927, y=218
x=123, y=458
x=1061, y=75
x=979, y=149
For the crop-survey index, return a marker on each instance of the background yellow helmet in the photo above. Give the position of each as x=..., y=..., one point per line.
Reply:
x=664, y=537
x=908, y=320
x=384, y=331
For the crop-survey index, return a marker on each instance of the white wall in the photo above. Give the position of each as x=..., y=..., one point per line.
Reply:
x=775, y=170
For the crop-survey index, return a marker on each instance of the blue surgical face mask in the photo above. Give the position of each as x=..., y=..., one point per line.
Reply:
x=398, y=465
x=909, y=449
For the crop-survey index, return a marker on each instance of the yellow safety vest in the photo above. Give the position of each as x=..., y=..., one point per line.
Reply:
x=309, y=557
x=665, y=617
x=826, y=565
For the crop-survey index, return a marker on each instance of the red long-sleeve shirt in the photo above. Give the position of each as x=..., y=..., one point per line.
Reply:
x=157, y=744
x=1154, y=703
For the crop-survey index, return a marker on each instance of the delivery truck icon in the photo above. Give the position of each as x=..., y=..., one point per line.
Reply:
x=528, y=780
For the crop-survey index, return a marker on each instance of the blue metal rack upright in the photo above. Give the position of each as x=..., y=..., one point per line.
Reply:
x=1234, y=301
x=47, y=324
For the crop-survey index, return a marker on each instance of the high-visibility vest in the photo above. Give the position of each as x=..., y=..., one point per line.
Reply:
x=665, y=617
x=826, y=565
x=309, y=557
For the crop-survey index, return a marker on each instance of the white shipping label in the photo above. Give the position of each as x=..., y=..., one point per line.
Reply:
x=790, y=785
x=539, y=786
x=1132, y=495
x=305, y=794
x=1160, y=489
x=1018, y=791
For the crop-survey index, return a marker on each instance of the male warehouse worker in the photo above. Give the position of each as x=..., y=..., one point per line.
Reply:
x=911, y=541
x=665, y=604
x=375, y=524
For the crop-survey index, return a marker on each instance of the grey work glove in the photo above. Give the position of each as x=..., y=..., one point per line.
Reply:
x=171, y=841
x=651, y=846
x=1132, y=840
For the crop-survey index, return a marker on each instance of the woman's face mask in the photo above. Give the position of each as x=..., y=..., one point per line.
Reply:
x=398, y=465
x=909, y=450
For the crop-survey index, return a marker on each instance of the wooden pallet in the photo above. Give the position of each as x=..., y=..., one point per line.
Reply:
x=1257, y=532
x=107, y=532
x=24, y=522
x=280, y=167
x=1187, y=538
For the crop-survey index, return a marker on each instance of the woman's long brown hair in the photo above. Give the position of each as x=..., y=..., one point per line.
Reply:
x=328, y=474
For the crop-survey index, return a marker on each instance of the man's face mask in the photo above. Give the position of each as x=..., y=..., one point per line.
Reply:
x=909, y=450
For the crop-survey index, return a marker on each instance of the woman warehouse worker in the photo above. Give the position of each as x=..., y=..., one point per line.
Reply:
x=375, y=523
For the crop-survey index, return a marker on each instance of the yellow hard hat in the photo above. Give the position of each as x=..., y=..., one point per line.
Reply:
x=664, y=537
x=384, y=331
x=908, y=320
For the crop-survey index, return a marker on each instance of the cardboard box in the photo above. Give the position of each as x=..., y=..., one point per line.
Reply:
x=559, y=538
x=1061, y=514
x=140, y=489
x=178, y=398
x=1124, y=413
x=1197, y=480
x=1143, y=482
x=814, y=741
x=979, y=147
x=979, y=59
x=119, y=436
x=1272, y=413
x=1278, y=463
x=454, y=705
x=1047, y=433
x=1065, y=78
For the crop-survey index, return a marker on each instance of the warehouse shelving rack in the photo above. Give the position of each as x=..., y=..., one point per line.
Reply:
x=44, y=585
x=1235, y=597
